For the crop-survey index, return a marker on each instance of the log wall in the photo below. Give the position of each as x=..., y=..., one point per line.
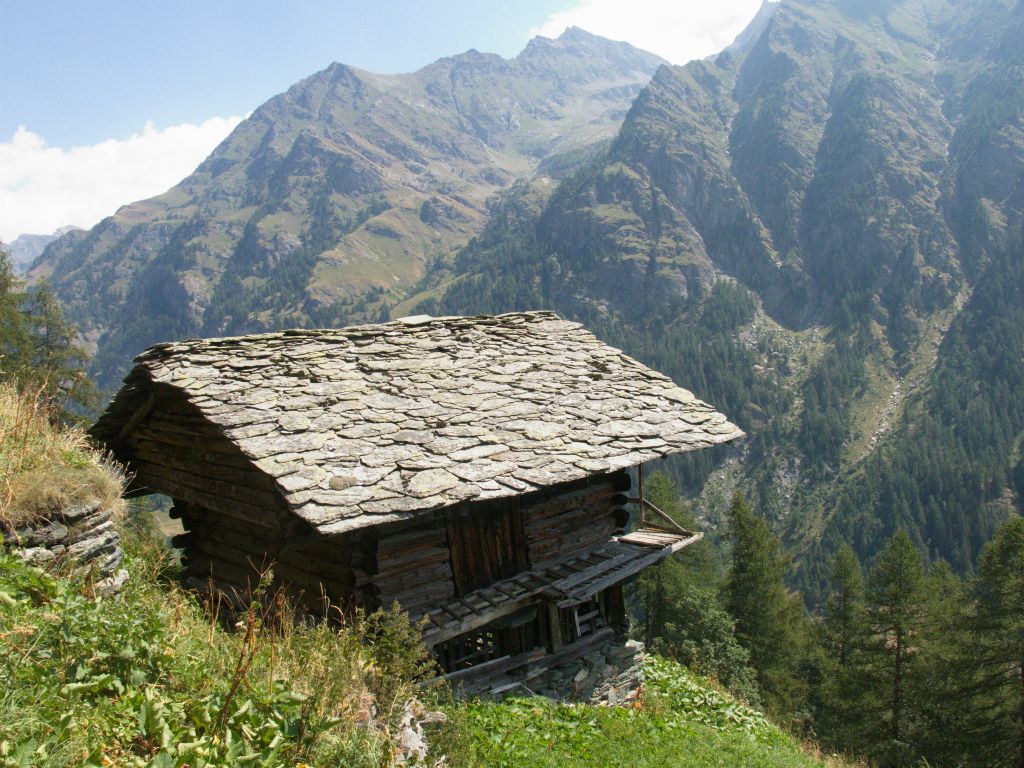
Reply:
x=224, y=555
x=413, y=563
x=175, y=451
x=575, y=518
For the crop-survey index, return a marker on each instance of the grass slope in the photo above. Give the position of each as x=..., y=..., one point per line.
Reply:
x=682, y=721
x=146, y=679
x=43, y=467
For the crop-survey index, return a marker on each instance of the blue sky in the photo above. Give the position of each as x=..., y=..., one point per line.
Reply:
x=81, y=71
x=103, y=102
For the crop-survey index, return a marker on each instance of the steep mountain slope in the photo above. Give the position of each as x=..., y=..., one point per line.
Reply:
x=818, y=231
x=334, y=195
x=794, y=230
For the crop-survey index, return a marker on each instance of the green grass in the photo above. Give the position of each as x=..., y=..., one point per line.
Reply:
x=682, y=721
x=146, y=679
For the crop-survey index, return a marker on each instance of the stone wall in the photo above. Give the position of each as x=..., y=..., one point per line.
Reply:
x=611, y=675
x=83, y=534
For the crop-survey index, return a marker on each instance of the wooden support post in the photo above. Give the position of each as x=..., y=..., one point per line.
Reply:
x=615, y=610
x=640, y=492
x=554, y=626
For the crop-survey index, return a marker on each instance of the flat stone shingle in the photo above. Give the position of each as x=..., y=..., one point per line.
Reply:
x=371, y=423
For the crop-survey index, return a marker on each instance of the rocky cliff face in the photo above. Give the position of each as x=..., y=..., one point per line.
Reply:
x=816, y=165
x=333, y=196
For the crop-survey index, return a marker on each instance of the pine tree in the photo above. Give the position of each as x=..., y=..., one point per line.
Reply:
x=683, y=616
x=769, y=621
x=997, y=649
x=844, y=609
x=895, y=605
x=38, y=348
x=844, y=631
x=944, y=680
x=57, y=359
x=15, y=340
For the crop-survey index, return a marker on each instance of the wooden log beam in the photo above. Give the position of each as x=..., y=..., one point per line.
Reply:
x=136, y=418
x=488, y=670
x=247, y=477
x=554, y=626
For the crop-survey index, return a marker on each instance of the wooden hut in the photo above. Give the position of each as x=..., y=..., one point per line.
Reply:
x=473, y=469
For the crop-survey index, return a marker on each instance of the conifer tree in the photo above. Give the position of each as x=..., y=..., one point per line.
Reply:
x=945, y=676
x=683, y=617
x=997, y=640
x=37, y=346
x=844, y=608
x=769, y=621
x=843, y=633
x=15, y=341
x=57, y=360
x=895, y=604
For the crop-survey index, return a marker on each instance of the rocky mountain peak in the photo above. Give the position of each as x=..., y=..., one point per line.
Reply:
x=343, y=187
x=591, y=55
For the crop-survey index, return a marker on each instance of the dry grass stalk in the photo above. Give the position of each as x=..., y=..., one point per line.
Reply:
x=45, y=466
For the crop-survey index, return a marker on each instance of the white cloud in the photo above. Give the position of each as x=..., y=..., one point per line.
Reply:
x=43, y=187
x=677, y=30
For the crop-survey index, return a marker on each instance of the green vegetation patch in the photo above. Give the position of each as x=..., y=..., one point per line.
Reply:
x=146, y=679
x=682, y=721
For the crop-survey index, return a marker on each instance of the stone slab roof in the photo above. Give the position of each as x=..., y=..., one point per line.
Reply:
x=369, y=424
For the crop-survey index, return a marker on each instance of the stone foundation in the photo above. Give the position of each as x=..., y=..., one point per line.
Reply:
x=81, y=533
x=611, y=675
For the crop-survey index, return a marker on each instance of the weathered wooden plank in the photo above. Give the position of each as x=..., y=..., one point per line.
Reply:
x=601, y=495
x=204, y=470
x=202, y=565
x=234, y=458
x=136, y=418
x=573, y=651
x=166, y=435
x=237, y=509
x=337, y=570
x=554, y=626
x=494, y=667
x=434, y=533
x=617, y=576
x=256, y=561
x=510, y=593
x=439, y=591
x=227, y=492
x=427, y=557
x=608, y=565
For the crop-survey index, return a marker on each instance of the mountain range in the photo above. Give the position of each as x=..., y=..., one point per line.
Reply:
x=26, y=248
x=337, y=193
x=818, y=230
